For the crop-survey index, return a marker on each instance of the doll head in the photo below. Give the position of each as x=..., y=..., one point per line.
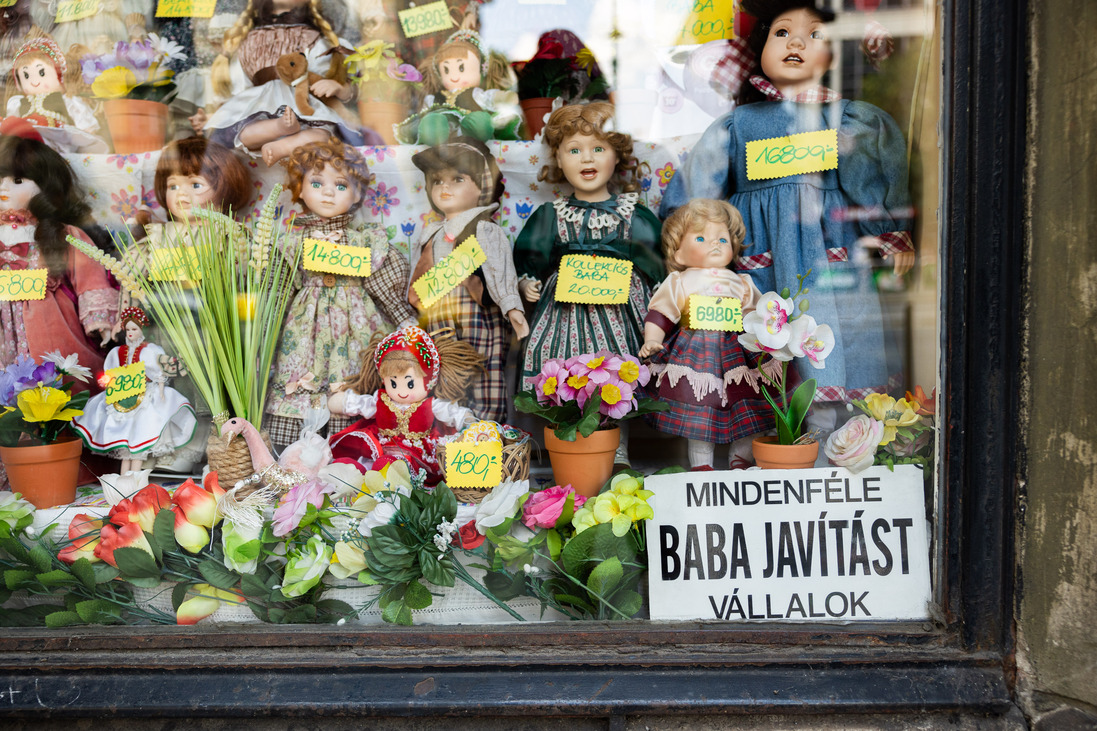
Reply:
x=704, y=233
x=194, y=172
x=582, y=143
x=790, y=46
x=437, y=363
x=329, y=178
x=461, y=63
x=39, y=67
x=134, y=321
x=460, y=175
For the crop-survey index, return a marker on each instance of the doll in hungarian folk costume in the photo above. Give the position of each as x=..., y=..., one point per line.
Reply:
x=826, y=221
x=464, y=187
x=150, y=424
x=332, y=316
x=395, y=396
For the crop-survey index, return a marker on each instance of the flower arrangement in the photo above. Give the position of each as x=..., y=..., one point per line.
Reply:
x=381, y=75
x=781, y=328
x=134, y=70
x=554, y=72
x=38, y=402
x=889, y=432
x=588, y=392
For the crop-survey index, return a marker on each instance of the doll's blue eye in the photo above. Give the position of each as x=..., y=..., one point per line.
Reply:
x=723, y=241
x=315, y=184
x=341, y=187
x=699, y=239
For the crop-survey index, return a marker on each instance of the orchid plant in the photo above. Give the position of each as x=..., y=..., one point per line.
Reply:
x=588, y=392
x=781, y=328
x=134, y=70
x=37, y=400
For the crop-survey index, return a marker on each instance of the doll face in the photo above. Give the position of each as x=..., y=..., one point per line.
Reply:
x=187, y=192
x=796, y=54
x=453, y=192
x=588, y=163
x=16, y=193
x=134, y=334
x=460, y=72
x=710, y=247
x=327, y=192
x=409, y=387
x=37, y=77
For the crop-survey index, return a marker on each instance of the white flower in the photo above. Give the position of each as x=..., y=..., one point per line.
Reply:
x=171, y=50
x=117, y=488
x=446, y=529
x=69, y=365
x=499, y=504
x=854, y=445
x=382, y=513
x=441, y=543
x=750, y=342
x=811, y=340
x=769, y=321
x=346, y=479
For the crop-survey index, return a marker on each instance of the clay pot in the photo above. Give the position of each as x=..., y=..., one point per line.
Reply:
x=45, y=474
x=586, y=463
x=381, y=116
x=769, y=455
x=535, y=111
x=136, y=125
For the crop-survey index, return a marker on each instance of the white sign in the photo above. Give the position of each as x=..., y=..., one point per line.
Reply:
x=817, y=545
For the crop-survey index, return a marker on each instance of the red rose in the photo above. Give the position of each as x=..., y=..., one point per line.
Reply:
x=468, y=537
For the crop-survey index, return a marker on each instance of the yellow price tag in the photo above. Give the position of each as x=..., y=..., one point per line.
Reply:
x=715, y=313
x=324, y=256
x=70, y=10
x=7, y=3
x=28, y=284
x=708, y=20
x=185, y=8
x=780, y=157
x=474, y=464
x=447, y=275
x=593, y=280
x=125, y=381
x=429, y=18
x=175, y=264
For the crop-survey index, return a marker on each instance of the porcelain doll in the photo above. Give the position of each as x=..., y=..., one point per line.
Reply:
x=331, y=317
x=152, y=424
x=65, y=121
x=40, y=204
x=709, y=380
x=407, y=395
x=261, y=114
x=824, y=222
x=467, y=93
x=464, y=186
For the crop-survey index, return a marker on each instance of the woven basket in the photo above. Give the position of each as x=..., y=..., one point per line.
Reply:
x=515, y=467
x=231, y=459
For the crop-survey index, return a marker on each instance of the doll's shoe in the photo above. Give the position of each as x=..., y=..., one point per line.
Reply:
x=740, y=463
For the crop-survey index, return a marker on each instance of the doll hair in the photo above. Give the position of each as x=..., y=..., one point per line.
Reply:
x=60, y=201
x=317, y=155
x=494, y=69
x=458, y=363
x=589, y=119
x=468, y=156
x=40, y=48
x=765, y=12
x=197, y=156
x=692, y=217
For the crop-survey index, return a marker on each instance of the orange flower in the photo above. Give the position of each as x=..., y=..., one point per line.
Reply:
x=84, y=534
x=128, y=535
x=923, y=405
x=199, y=504
x=141, y=508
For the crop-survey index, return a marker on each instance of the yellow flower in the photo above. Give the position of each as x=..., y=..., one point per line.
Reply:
x=596, y=363
x=245, y=306
x=611, y=394
x=370, y=58
x=549, y=386
x=629, y=371
x=584, y=518
x=114, y=83
x=348, y=560
x=577, y=382
x=892, y=413
x=610, y=508
x=585, y=59
x=46, y=404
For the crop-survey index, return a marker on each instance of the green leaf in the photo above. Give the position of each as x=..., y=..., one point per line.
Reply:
x=799, y=404
x=504, y=586
x=136, y=563
x=251, y=586
x=163, y=530
x=591, y=418
x=554, y=543
x=215, y=574
x=57, y=577
x=82, y=569
x=575, y=601
x=276, y=615
x=365, y=577
x=397, y=613
x=628, y=602
x=104, y=572
x=417, y=596
x=63, y=619
x=40, y=558
x=32, y=616
x=98, y=611
x=179, y=595
x=16, y=579
x=332, y=610
x=16, y=549
x=446, y=500
x=577, y=550
x=303, y=614
x=605, y=577
x=145, y=582
x=391, y=540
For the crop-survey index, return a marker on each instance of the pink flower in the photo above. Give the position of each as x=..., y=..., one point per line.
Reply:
x=294, y=504
x=547, y=383
x=769, y=321
x=544, y=508
x=854, y=445
x=617, y=399
x=595, y=366
x=810, y=340
x=631, y=370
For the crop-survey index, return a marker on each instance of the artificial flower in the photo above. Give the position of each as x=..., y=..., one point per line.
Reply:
x=206, y=600
x=544, y=508
x=141, y=508
x=905, y=447
x=624, y=484
x=45, y=404
x=83, y=539
x=169, y=49
x=114, y=83
x=305, y=567
x=403, y=71
x=446, y=530
x=810, y=340
x=191, y=536
x=294, y=504
x=347, y=560
x=922, y=404
x=632, y=371
x=594, y=366
x=69, y=365
x=500, y=504
x=129, y=535
x=547, y=384
x=345, y=480
x=199, y=504
x=769, y=321
x=894, y=414
x=245, y=306
x=117, y=488
x=382, y=512
x=750, y=341
x=16, y=378
x=468, y=537
x=240, y=546
x=617, y=400
x=14, y=509
x=853, y=446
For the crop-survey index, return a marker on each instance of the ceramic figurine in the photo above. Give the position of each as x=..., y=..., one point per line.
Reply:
x=464, y=187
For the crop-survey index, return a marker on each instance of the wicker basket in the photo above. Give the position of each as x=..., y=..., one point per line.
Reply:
x=231, y=459
x=516, y=453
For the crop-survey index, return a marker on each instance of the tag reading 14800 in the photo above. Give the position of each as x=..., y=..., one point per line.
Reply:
x=324, y=256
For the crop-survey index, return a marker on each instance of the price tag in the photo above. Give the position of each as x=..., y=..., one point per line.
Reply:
x=447, y=275
x=324, y=256
x=780, y=157
x=28, y=284
x=708, y=20
x=185, y=8
x=7, y=3
x=70, y=10
x=715, y=313
x=474, y=464
x=175, y=264
x=125, y=381
x=429, y=18
x=593, y=280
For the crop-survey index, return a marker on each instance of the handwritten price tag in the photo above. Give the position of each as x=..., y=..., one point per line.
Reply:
x=7, y=3
x=29, y=284
x=429, y=18
x=324, y=256
x=446, y=275
x=185, y=8
x=70, y=10
x=593, y=280
x=125, y=381
x=474, y=464
x=780, y=157
x=175, y=264
x=709, y=20
x=715, y=313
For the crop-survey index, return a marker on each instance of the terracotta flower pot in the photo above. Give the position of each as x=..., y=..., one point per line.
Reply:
x=44, y=474
x=381, y=116
x=535, y=111
x=769, y=455
x=586, y=463
x=136, y=125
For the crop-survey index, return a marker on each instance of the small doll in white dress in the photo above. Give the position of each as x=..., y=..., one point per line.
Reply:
x=151, y=424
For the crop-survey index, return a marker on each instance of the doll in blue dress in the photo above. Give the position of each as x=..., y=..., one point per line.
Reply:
x=824, y=220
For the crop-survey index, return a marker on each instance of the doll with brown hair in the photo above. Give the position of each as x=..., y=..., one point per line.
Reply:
x=332, y=316
x=709, y=380
x=464, y=186
x=467, y=92
x=262, y=116
x=407, y=395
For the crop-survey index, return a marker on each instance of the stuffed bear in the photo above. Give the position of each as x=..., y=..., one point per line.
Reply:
x=293, y=70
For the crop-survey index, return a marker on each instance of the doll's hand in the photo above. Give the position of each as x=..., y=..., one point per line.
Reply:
x=198, y=120
x=530, y=289
x=337, y=403
x=107, y=335
x=518, y=322
x=115, y=330
x=330, y=87
x=904, y=262
x=650, y=348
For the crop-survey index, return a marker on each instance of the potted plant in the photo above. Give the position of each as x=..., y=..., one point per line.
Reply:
x=137, y=87
x=583, y=399
x=781, y=328
x=562, y=67
x=385, y=86
x=37, y=445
